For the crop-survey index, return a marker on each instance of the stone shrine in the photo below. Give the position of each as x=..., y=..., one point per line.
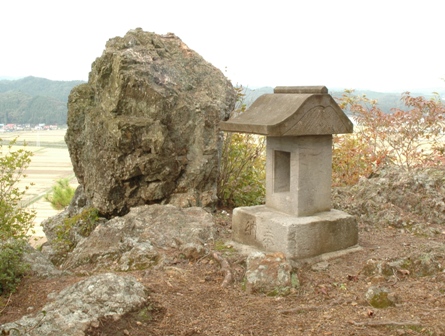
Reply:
x=297, y=218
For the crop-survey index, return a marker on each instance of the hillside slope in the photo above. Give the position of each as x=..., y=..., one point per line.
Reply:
x=33, y=100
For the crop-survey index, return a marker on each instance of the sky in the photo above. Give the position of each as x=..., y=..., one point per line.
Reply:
x=380, y=45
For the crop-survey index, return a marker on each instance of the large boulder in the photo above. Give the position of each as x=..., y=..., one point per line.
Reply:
x=144, y=129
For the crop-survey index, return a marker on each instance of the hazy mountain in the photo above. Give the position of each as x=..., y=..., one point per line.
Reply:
x=35, y=86
x=33, y=100
x=386, y=100
x=8, y=78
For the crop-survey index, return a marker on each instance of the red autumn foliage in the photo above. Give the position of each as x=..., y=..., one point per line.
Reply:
x=410, y=137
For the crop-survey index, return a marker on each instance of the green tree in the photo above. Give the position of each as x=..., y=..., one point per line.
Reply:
x=242, y=172
x=15, y=220
x=61, y=194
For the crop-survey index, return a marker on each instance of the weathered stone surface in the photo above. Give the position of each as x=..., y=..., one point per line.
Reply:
x=193, y=251
x=81, y=304
x=144, y=129
x=320, y=266
x=292, y=111
x=297, y=237
x=298, y=174
x=77, y=205
x=269, y=273
x=406, y=200
x=39, y=263
x=68, y=228
x=134, y=241
x=381, y=297
x=414, y=265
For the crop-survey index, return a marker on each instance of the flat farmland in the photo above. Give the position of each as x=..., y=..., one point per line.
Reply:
x=49, y=163
x=36, y=138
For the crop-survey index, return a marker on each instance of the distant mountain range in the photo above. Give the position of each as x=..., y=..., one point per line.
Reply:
x=386, y=100
x=33, y=100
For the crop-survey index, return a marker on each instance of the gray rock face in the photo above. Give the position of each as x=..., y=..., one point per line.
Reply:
x=77, y=306
x=67, y=228
x=77, y=205
x=133, y=241
x=398, y=198
x=144, y=129
x=39, y=263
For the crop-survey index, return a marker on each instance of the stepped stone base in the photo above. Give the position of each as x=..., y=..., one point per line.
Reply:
x=297, y=237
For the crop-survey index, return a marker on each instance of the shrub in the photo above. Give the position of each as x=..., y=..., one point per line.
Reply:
x=409, y=138
x=242, y=174
x=81, y=224
x=61, y=194
x=352, y=158
x=15, y=220
x=12, y=268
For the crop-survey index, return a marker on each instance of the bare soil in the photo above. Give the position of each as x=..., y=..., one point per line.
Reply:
x=186, y=298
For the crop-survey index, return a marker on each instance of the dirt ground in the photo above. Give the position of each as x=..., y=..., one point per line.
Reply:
x=186, y=298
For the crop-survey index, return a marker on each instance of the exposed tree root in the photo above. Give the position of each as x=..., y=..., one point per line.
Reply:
x=225, y=267
x=6, y=304
x=386, y=323
x=300, y=309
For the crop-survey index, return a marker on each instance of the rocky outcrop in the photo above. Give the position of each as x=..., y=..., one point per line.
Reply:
x=78, y=204
x=402, y=199
x=138, y=239
x=144, y=129
x=76, y=307
x=39, y=263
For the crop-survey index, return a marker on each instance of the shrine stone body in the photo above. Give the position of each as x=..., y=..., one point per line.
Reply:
x=297, y=218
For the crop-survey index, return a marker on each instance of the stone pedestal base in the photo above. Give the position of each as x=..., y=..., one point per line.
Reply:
x=297, y=237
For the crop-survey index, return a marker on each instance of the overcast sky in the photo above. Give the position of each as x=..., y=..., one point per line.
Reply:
x=363, y=44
